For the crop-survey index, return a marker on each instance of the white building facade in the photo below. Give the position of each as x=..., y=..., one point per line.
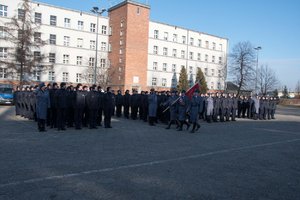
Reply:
x=70, y=37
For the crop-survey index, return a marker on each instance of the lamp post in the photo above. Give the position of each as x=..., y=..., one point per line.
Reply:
x=257, y=50
x=96, y=11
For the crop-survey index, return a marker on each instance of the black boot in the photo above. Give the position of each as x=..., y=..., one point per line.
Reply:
x=193, y=130
x=198, y=126
x=169, y=125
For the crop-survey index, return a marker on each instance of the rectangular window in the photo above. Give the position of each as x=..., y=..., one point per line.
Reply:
x=52, y=57
x=207, y=44
x=104, y=30
x=93, y=27
x=164, y=82
x=37, y=56
x=154, y=81
x=67, y=23
x=122, y=24
x=173, y=67
x=192, y=41
x=51, y=76
x=79, y=42
x=182, y=54
x=52, y=39
x=205, y=71
x=212, y=72
x=92, y=61
x=183, y=39
x=80, y=25
x=174, y=37
x=66, y=41
x=191, y=70
x=36, y=75
x=138, y=11
x=166, y=35
x=37, y=37
x=121, y=33
x=21, y=14
x=121, y=51
x=219, y=86
x=66, y=59
x=214, y=46
x=91, y=78
x=212, y=85
x=155, y=49
x=221, y=47
x=65, y=76
x=156, y=34
x=174, y=53
x=191, y=55
x=199, y=56
x=3, y=52
x=109, y=47
x=78, y=78
x=213, y=59
x=121, y=42
x=3, y=72
x=79, y=60
x=3, y=11
x=110, y=30
x=165, y=66
x=53, y=20
x=199, y=43
x=92, y=44
x=219, y=73
x=220, y=60
x=103, y=46
x=3, y=33
x=165, y=51
x=102, y=63
x=155, y=66
x=206, y=58
x=38, y=18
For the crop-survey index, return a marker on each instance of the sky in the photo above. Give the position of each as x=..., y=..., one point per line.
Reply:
x=272, y=24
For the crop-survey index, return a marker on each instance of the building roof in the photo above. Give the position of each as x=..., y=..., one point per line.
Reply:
x=128, y=2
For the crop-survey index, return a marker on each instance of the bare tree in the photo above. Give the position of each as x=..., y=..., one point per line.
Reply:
x=267, y=80
x=242, y=60
x=297, y=89
x=24, y=57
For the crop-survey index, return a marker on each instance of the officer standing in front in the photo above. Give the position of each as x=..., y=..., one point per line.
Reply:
x=108, y=107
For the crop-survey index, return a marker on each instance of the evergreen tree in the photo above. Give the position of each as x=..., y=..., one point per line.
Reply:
x=285, y=92
x=201, y=78
x=183, y=83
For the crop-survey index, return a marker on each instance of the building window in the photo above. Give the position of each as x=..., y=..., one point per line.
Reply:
x=90, y=78
x=192, y=41
x=213, y=59
x=156, y=34
x=205, y=71
x=36, y=75
x=221, y=47
x=80, y=25
x=3, y=32
x=66, y=41
x=37, y=37
x=92, y=44
x=174, y=37
x=191, y=70
x=199, y=43
x=104, y=30
x=3, y=11
x=220, y=60
x=121, y=51
x=155, y=49
x=37, y=56
x=136, y=79
x=219, y=86
x=38, y=18
x=199, y=56
x=65, y=76
x=154, y=81
x=212, y=85
x=183, y=39
x=103, y=46
x=155, y=66
x=121, y=42
x=79, y=42
x=166, y=35
x=109, y=47
x=207, y=44
x=174, y=68
x=122, y=24
x=219, y=73
x=165, y=51
x=66, y=59
x=165, y=66
x=191, y=55
x=110, y=30
x=102, y=62
x=53, y=20
x=182, y=54
x=78, y=78
x=3, y=52
x=21, y=14
x=214, y=46
x=51, y=76
x=67, y=23
x=206, y=58
x=93, y=27
x=3, y=72
x=174, y=52
x=164, y=82
x=120, y=60
x=212, y=72
x=79, y=60
x=138, y=10
x=52, y=57
x=121, y=33
x=92, y=61
x=52, y=39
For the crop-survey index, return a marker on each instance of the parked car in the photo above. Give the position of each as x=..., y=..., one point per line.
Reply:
x=6, y=94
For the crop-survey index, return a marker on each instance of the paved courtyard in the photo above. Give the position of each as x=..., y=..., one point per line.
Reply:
x=233, y=160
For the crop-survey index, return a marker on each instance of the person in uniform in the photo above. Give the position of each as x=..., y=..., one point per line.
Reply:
x=209, y=106
x=119, y=104
x=93, y=102
x=194, y=110
x=17, y=100
x=61, y=106
x=53, y=109
x=127, y=100
x=79, y=104
x=256, y=107
x=172, y=104
x=217, y=107
x=134, y=103
x=152, y=106
x=70, y=106
x=42, y=105
x=234, y=106
x=108, y=106
x=183, y=104
x=100, y=110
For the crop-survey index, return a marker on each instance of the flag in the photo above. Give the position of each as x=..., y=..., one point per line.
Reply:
x=191, y=91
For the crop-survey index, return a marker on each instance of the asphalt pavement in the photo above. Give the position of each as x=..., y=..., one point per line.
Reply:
x=245, y=159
